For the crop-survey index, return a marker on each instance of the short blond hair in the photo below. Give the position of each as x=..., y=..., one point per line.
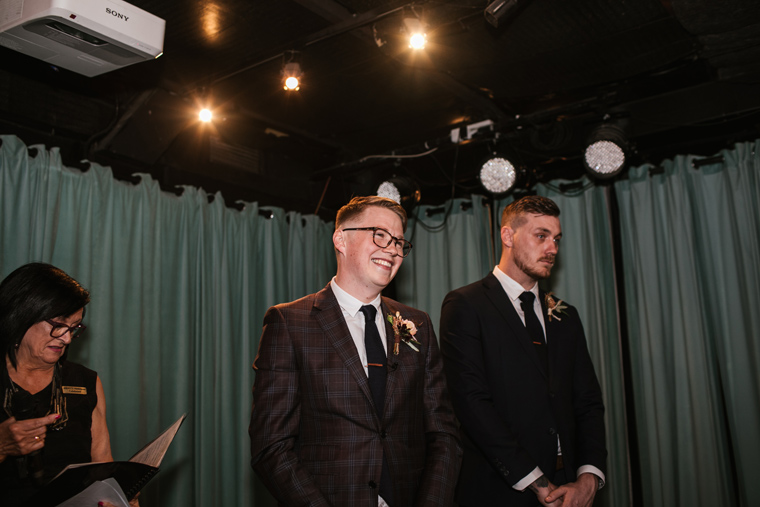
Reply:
x=358, y=205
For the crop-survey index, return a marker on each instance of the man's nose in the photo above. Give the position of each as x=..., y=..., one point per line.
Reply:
x=391, y=248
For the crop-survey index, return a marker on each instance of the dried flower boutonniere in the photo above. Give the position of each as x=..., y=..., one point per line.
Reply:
x=403, y=329
x=553, y=308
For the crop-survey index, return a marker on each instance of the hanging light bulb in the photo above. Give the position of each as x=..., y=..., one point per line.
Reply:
x=291, y=71
x=292, y=83
x=415, y=29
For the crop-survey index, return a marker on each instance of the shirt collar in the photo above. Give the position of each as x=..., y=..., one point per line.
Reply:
x=349, y=303
x=510, y=286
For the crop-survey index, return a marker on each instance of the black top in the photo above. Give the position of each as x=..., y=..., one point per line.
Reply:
x=71, y=444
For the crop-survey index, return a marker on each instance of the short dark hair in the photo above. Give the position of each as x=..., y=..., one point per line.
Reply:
x=514, y=213
x=358, y=205
x=33, y=293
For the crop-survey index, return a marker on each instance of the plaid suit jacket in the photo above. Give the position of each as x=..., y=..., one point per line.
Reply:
x=316, y=438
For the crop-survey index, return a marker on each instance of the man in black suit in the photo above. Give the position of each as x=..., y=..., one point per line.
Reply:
x=521, y=378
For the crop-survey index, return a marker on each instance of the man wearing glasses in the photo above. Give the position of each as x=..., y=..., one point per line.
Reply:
x=350, y=405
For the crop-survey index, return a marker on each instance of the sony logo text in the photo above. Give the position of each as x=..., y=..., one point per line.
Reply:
x=116, y=14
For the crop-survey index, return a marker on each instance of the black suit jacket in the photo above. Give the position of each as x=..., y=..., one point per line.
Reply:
x=511, y=409
x=316, y=439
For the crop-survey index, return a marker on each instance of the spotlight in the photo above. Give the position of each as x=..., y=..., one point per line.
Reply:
x=498, y=175
x=205, y=115
x=415, y=29
x=404, y=191
x=291, y=71
x=605, y=151
x=498, y=10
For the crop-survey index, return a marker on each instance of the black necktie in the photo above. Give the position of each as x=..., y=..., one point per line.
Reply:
x=534, y=328
x=378, y=373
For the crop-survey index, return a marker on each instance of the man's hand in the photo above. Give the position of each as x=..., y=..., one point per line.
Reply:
x=543, y=488
x=580, y=493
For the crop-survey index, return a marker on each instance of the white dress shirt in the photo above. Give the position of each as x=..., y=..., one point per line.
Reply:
x=351, y=308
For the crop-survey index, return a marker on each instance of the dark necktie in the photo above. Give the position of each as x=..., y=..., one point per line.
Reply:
x=378, y=373
x=534, y=328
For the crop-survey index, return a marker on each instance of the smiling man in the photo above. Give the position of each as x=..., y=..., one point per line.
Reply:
x=522, y=382
x=350, y=405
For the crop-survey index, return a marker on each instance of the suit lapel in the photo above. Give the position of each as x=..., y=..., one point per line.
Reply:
x=330, y=318
x=495, y=292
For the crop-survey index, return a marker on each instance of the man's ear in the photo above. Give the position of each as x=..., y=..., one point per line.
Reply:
x=339, y=241
x=507, y=236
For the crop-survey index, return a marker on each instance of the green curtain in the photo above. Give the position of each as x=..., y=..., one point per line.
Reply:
x=691, y=251
x=179, y=288
x=180, y=285
x=451, y=249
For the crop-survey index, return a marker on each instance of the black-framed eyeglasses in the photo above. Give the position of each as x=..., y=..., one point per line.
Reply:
x=59, y=329
x=383, y=239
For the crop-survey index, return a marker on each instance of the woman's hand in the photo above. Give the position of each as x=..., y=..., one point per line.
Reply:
x=18, y=438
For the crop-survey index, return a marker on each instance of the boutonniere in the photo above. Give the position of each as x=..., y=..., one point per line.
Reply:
x=553, y=307
x=403, y=329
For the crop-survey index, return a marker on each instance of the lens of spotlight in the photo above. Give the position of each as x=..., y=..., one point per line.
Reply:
x=205, y=115
x=389, y=190
x=291, y=83
x=605, y=158
x=498, y=175
x=417, y=41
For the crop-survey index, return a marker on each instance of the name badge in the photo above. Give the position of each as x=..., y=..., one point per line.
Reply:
x=74, y=390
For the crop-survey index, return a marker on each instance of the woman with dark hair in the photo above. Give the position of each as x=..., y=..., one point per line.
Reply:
x=53, y=411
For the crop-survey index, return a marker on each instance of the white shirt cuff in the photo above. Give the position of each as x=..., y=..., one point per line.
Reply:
x=528, y=479
x=590, y=469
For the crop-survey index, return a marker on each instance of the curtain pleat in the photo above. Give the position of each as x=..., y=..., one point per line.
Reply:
x=179, y=288
x=691, y=255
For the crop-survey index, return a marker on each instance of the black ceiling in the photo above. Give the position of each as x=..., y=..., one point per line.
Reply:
x=683, y=76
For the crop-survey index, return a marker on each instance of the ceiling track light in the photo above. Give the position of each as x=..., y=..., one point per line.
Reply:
x=499, y=11
x=291, y=71
x=498, y=175
x=403, y=190
x=415, y=29
x=605, y=153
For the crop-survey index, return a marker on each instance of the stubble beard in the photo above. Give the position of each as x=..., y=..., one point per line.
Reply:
x=531, y=271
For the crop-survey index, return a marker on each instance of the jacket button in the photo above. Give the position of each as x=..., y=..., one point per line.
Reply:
x=372, y=484
x=552, y=431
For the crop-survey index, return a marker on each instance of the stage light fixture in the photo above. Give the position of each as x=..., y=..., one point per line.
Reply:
x=498, y=175
x=415, y=29
x=205, y=115
x=404, y=191
x=605, y=153
x=498, y=10
x=291, y=71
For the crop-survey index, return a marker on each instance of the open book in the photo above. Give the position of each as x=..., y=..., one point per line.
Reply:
x=130, y=476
